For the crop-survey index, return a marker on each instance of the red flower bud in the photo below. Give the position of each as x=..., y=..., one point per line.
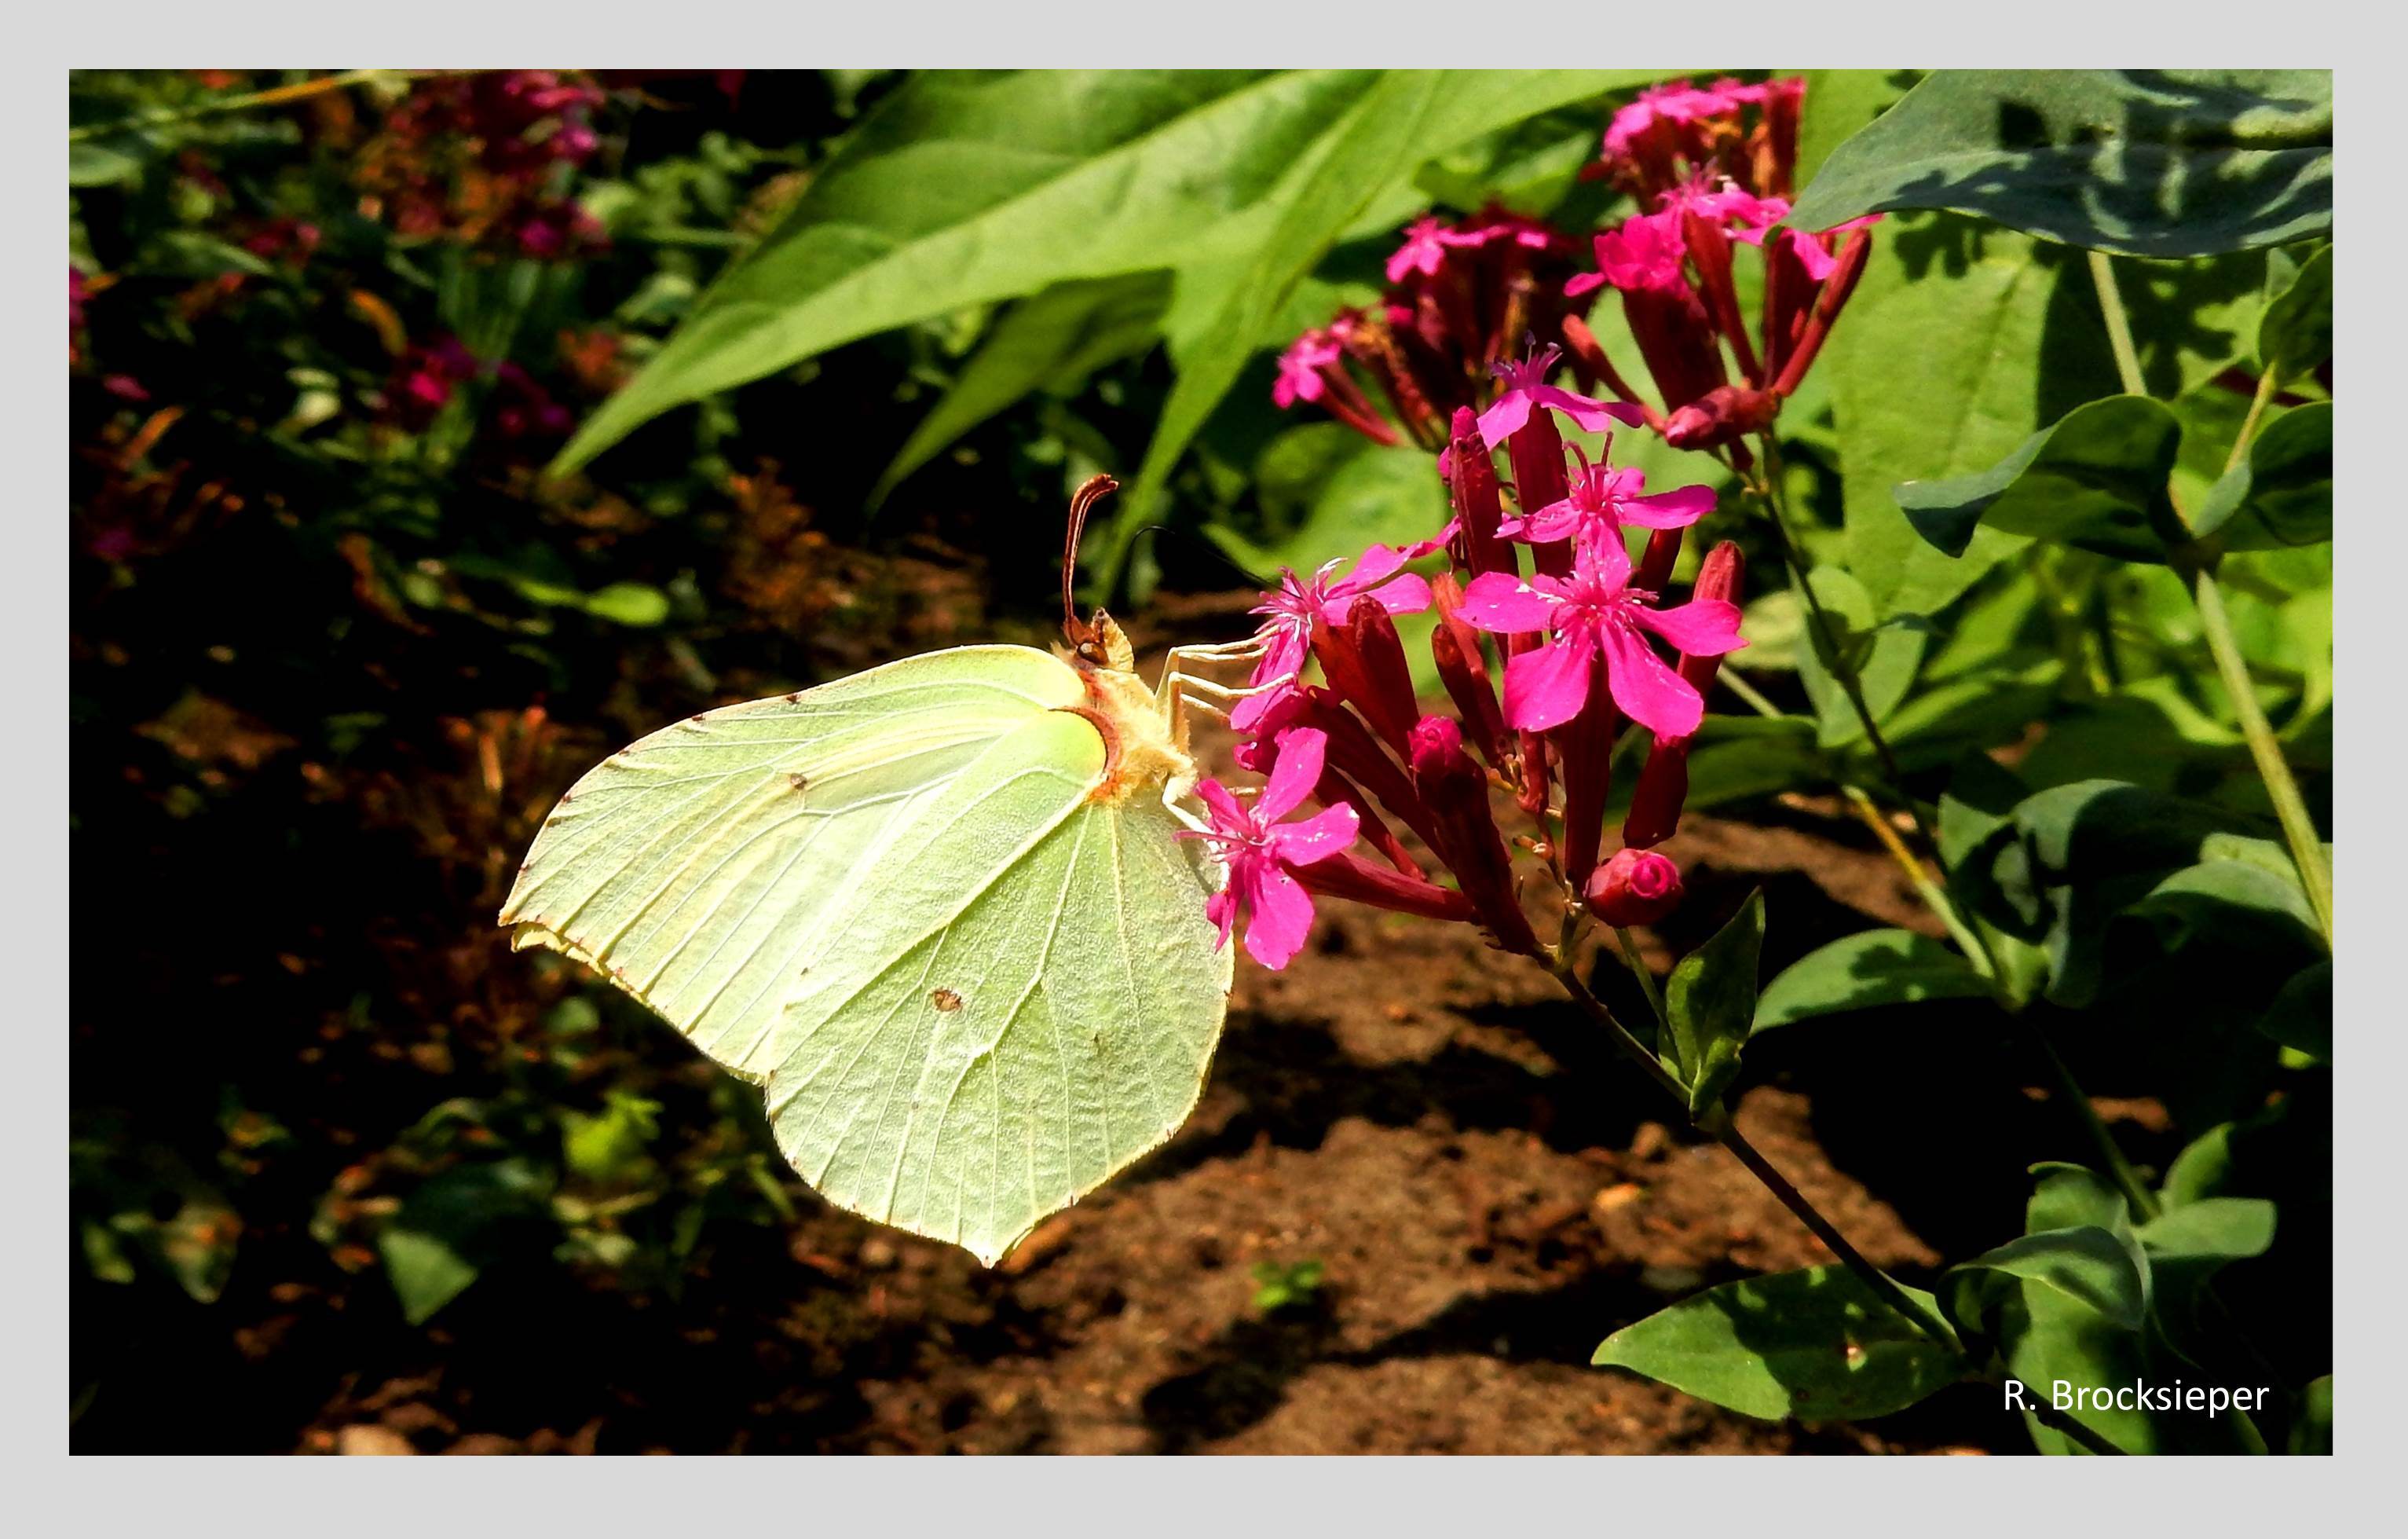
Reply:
x=1462, y=668
x=1836, y=289
x=1358, y=881
x=1457, y=793
x=1655, y=802
x=1471, y=486
x=1535, y=451
x=1365, y=665
x=1635, y=887
x=1722, y=415
x=1583, y=746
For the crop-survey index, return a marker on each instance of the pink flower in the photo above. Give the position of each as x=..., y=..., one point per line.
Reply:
x=1635, y=887
x=1526, y=386
x=1287, y=628
x=1596, y=614
x=1678, y=102
x=1425, y=249
x=1644, y=253
x=1732, y=205
x=1300, y=367
x=1260, y=850
x=1603, y=502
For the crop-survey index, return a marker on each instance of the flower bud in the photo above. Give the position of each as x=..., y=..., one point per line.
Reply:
x=1635, y=887
x=1457, y=793
x=1365, y=664
x=1722, y=415
x=1462, y=668
x=1471, y=486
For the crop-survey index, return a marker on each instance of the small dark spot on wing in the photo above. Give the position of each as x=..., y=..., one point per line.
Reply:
x=946, y=1000
x=797, y=779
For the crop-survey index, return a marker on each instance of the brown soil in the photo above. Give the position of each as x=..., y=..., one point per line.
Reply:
x=1483, y=1184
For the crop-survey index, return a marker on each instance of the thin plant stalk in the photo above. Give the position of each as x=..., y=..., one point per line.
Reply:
x=2282, y=789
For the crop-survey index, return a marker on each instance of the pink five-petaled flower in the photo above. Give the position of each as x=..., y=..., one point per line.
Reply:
x=1300, y=367
x=1526, y=386
x=1260, y=850
x=1596, y=613
x=1286, y=632
x=1678, y=102
x=1644, y=254
x=1604, y=501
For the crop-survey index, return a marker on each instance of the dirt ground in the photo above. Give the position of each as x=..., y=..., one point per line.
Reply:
x=1488, y=1192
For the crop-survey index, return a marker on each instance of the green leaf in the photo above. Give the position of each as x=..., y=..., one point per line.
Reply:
x=2189, y=1244
x=2096, y=479
x=2301, y=1017
x=1711, y=999
x=1327, y=491
x=2296, y=334
x=2148, y=163
x=1221, y=308
x=1861, y=972
x=1815, y=1345
x=91, y=164
x=2231, y=909
x=966, y=187
x=638, y=604
x=1050, y=340
x=2202, y=1171
x=2086, y=1263
x=2312, y=1428
x=2281, y=494
x=1883, y=654
x=425, y=1273
x=1935, y=371
x=1838, y=104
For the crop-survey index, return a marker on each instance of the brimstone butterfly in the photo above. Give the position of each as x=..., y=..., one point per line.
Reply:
x=936, y=910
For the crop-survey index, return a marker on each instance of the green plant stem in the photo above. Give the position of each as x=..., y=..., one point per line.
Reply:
x=1968, y=941
x=2257, y=404
x=2128, y=1180
x=1646, y=978
x=1767, y=488
x=1753, y=698
x=274, y=96
x=1718, y=1123
x=2119, y=328
x=2290, y=808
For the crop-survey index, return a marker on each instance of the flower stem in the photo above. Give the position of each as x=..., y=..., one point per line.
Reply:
x=1646, y=978
x=1767, y=488
x=2257, y=404
x=2290, y=808
x=2119, y=328
x=1718, y=1123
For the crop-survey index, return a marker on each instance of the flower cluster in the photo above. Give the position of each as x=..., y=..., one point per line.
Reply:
x=484, y=158
x=1713, y=170
x=1461, y=299
x=430, y=375
x=1551, y=598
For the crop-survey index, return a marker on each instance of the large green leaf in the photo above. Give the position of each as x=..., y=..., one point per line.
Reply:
x=1816, y=1344
x=1711, y=999
x=966, y=187
x=1839, y=104
x=2149, y=162
x=1050, y=340
x=1868, y=968
x=2096, y=479
x=1221, y=307
x=2086, y=1263
x=2281, y=492
x=2296, y=334
x=1934, y=372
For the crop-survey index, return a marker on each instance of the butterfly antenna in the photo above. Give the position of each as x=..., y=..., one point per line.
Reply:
x=1083, y=501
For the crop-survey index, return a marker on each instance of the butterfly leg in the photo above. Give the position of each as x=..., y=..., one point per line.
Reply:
x=1182, y=693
